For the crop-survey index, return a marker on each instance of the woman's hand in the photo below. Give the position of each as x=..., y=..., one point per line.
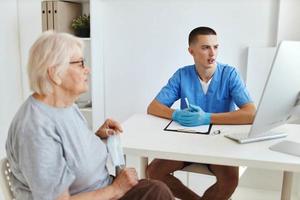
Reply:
x=109, y=127
x=125, y=181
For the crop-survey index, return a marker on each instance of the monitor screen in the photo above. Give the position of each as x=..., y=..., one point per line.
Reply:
x=281, y=89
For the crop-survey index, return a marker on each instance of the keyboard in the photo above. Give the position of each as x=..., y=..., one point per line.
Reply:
x=244, y=137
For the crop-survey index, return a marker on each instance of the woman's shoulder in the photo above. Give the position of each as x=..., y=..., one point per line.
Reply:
x=30, y=119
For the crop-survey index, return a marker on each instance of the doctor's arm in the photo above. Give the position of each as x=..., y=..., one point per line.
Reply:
x=158, y=109
x=245, y=115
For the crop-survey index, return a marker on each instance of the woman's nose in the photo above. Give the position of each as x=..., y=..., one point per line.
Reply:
x=87, y=70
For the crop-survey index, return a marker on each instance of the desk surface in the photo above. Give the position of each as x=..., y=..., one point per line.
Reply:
x=144, y=136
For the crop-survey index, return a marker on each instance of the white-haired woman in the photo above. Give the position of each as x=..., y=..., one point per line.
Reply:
x=52, y=153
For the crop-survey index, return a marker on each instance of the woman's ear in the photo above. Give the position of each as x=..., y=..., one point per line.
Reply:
x=53, y=76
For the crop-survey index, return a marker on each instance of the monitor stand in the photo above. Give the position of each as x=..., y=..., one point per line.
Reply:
x=288, y=147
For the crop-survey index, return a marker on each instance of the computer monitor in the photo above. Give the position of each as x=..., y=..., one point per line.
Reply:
x=281, y=90
x=280, y=93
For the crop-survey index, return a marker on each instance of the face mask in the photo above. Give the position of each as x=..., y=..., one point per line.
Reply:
x=116, y=152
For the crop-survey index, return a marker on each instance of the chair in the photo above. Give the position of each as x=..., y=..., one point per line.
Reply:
x=5, y=180
x=203, y=169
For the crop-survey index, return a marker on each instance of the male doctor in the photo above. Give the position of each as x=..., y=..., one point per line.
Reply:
x=212, y=89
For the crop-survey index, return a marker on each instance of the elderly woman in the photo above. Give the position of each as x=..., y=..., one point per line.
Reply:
x=53, y=154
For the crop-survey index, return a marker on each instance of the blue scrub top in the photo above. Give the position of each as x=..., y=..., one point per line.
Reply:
x=225, y=90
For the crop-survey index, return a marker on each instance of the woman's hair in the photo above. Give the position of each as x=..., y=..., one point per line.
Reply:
x=51, y=49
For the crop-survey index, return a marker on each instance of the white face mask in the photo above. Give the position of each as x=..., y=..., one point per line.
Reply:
x=115, y=150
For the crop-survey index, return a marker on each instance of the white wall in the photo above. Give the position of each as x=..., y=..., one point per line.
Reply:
x=30, y=28
x=16, y=36
x=144, y=42
x=288, y=23
x=10, y=76
x=258, y=67
x=97, y=73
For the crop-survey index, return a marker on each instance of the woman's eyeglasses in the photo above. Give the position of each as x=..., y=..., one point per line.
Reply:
x=79, y=61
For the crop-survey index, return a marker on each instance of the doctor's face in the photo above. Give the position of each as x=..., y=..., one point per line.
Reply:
x=205, y=51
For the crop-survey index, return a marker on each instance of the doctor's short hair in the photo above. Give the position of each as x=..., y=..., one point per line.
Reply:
x=202, y=30
x=51, y=49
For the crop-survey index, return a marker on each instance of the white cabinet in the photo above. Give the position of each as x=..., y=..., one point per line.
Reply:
x=30, y=11
x=85, y=100
x=93, y=55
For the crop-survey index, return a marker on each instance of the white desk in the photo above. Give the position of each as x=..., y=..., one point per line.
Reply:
x=144, y=137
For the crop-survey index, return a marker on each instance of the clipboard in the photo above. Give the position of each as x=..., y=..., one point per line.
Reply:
x=175, y=127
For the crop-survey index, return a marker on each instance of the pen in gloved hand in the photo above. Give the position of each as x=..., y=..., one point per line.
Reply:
x=187, y=102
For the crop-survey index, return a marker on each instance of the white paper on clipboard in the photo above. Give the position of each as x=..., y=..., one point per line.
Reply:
x=195, y=129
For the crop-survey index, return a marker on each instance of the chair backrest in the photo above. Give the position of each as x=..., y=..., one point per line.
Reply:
x=5, y=179
x=203, y=169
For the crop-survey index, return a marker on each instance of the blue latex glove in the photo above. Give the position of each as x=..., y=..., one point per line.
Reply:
x=199, y=117
x=181, y=116
x=194, y=116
